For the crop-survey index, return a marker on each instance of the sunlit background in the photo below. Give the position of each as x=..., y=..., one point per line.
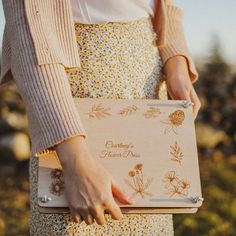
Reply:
x=210, y=29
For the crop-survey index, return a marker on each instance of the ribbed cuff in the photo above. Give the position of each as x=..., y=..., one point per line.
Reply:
x=53, y=108
x=52, y=114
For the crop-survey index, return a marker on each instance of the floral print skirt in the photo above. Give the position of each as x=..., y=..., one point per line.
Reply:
x=118, y=60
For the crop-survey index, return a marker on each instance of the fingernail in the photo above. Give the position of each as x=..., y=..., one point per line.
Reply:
x=131, y=200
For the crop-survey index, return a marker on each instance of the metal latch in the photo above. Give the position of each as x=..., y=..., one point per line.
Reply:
x=45, y=199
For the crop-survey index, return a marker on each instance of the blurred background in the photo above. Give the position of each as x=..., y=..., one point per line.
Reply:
x=210, y=29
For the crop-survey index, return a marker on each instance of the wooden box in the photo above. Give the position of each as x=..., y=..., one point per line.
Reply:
x=148, y=145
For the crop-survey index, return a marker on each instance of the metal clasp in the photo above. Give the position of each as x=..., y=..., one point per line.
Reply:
x=45, y=199
x=196, y=199
x=187, y=103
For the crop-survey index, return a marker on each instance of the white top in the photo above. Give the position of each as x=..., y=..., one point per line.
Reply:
x=99, y=11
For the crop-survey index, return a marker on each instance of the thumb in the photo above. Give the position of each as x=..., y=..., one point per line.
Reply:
x=119, y=194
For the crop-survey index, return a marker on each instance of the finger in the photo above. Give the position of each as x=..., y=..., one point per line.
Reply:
x=84, y=213
x=196, y=102
x=119, y=194
x=88, y=219
x=98, y=214
x=76, y=217
x=101, y=220
x=187, y=95
x=115, y=211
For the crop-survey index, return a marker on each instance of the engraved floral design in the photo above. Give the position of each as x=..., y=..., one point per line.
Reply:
x=177, y=117
x=97, y=111
x=175, y=120
x=176, y=153
x=152, y=112
x=175, y=186
x=137, y=182
x=56, y=174
x=57, y=185
x=128, y=110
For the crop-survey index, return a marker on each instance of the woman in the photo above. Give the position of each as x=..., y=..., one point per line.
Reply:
x=56, y=50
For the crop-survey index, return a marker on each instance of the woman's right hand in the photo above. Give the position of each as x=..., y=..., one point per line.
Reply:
x=89, y=188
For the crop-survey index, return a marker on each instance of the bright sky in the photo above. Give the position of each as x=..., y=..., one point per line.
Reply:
x=202, y=19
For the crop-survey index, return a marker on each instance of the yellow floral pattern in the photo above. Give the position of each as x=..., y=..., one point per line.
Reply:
x=118, y=60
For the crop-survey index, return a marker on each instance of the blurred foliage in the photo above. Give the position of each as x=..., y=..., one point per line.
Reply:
x=14, y=199
x=14, y=185
x=216, y=137
x=216, y=89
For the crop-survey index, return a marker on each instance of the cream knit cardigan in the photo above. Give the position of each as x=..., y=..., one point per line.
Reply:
x=39, y=42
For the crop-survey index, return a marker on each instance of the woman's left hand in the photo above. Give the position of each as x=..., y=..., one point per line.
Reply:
x=178, y=82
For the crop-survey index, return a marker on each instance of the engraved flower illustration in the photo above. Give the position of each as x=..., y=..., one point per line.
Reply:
x=137, y=182
x=152, y=112
x=132, y=173
x=138, y=167
x=128, y=110
x=56, y=173
x=98, y=111
x=176, y=153
x=57, y=185
x=183, y=188
x=175, y=119
x=171, y=178
x=174, y=185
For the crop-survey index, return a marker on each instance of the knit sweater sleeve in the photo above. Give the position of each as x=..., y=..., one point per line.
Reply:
x=52, y=113
x=175, y=41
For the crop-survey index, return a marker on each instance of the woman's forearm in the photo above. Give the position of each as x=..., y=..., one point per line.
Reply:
x=175, y=65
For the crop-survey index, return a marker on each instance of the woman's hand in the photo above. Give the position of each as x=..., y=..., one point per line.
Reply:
x=178, y=82
x=89, y=187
